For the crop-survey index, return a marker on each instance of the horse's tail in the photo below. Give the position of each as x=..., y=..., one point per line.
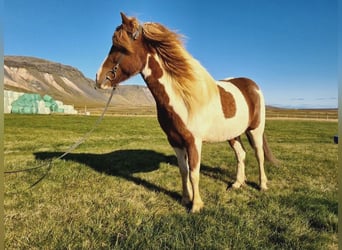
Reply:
x=268, y=153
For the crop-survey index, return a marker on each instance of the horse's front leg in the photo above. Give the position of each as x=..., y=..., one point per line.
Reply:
x=194, y=160
x=182, y=157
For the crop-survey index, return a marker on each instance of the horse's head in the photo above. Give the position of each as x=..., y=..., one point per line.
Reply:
x=126, y=56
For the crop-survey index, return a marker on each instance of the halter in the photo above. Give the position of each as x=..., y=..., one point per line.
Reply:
x=114, y=69
x=134, y=37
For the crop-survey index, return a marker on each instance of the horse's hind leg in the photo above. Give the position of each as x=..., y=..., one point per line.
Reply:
x=240, y=154
x=255, y=138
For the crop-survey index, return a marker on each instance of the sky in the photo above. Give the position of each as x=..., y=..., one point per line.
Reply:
x=289, y=47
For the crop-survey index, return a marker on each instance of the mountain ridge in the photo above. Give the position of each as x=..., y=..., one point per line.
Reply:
x=67, y=84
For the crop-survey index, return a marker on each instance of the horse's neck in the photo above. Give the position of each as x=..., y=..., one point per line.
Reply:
x=160, y=84
x=186, y=96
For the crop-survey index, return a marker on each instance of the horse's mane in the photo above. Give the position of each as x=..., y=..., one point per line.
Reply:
x=189, y=79
x=169, y=46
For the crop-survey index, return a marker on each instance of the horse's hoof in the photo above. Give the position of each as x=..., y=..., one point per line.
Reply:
x=197, y=207
x=263, y=188
x=236, y=185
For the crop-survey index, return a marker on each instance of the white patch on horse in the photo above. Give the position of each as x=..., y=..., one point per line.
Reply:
x=166, y=80
x=99, y=71
x=228, y=78
x=146, y=72
x=262, y=108
x=211, y=125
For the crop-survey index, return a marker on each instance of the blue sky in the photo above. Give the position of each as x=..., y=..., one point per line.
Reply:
x=289, y=47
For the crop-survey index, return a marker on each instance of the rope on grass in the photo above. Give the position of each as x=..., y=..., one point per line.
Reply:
x=70, y=149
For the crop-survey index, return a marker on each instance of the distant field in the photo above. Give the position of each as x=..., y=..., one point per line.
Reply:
x=121, y=189
x=121, y=110
x=322, y=114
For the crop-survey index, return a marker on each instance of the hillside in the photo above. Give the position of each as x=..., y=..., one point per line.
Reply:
x=67, y=84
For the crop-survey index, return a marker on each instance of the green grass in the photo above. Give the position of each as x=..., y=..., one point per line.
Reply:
x=121, y=189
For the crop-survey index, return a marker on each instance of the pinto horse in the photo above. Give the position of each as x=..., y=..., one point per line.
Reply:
x=192, y=107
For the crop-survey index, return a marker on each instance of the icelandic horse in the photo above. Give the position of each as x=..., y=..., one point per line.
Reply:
x=192, y=107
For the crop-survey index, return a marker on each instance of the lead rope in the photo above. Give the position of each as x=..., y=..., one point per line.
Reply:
x=70, y=149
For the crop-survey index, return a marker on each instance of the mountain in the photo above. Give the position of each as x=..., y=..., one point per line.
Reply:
x=67, y=84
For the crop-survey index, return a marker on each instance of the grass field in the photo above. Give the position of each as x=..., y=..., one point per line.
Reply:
x=121, y=189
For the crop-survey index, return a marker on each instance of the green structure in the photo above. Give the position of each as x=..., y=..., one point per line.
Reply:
x=35, y=104
x=24, y=103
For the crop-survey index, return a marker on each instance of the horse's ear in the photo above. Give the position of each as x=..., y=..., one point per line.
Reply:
x=125, y=19
x=129, y=24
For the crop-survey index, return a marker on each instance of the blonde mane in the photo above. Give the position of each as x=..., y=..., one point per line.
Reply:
x=168, y=45
x=190, y=79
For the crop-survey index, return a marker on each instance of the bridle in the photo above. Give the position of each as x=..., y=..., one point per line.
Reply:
x=114, y=70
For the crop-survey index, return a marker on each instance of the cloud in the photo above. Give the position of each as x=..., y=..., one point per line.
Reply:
x=326, y=98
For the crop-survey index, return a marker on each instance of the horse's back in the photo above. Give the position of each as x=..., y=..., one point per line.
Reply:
x=247, y=86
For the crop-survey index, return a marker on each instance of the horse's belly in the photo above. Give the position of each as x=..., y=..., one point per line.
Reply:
x=225, y=129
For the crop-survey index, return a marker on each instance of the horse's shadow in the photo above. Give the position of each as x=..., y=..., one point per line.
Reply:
x=126, y=163
x=122, y=163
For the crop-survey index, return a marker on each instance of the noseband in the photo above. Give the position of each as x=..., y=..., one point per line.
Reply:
x=114, y=69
